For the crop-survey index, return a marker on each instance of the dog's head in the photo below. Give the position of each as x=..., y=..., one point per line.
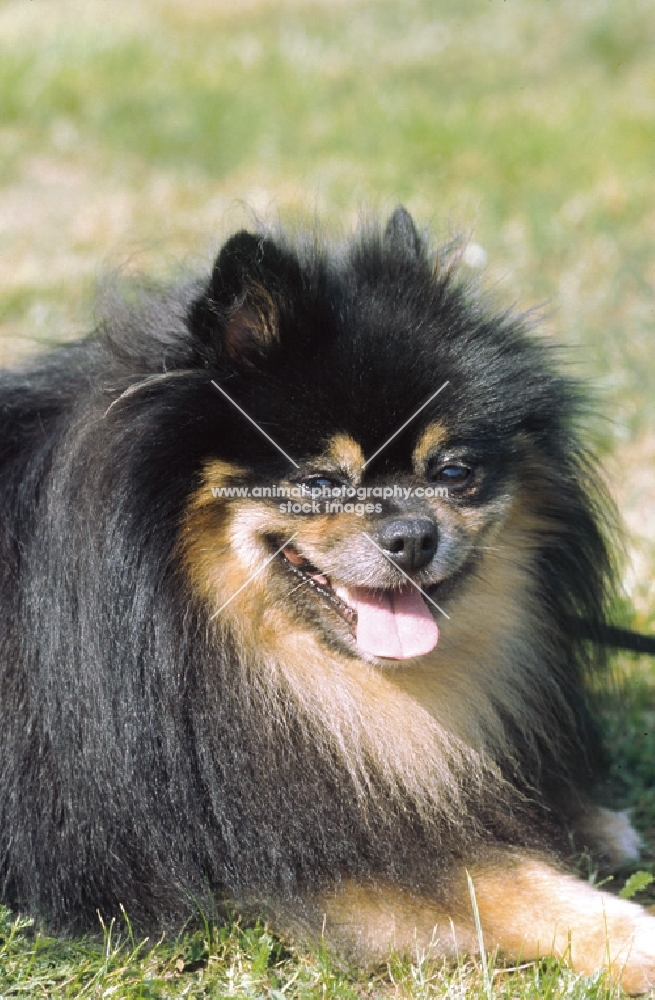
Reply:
x=381, y=434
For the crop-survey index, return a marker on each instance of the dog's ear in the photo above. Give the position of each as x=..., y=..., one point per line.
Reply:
x=401, y=235
x=240, y=307
x=244, y=261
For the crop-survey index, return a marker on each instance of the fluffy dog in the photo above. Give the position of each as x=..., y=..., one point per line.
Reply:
x=289, y=561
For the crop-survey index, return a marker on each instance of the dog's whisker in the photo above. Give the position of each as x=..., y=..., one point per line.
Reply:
x=303, y=583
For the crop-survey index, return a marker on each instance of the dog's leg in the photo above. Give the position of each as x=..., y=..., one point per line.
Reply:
x=528, y=910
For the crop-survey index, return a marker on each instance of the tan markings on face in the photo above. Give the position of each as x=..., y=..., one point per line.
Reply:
x=221, y=543
x=225, y=555
x=475, y=519
x=343, y=453
x=218, y=473
x=432, y=438
x=206, y=538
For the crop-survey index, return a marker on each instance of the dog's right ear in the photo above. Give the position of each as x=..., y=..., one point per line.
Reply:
x=239, y=310
x=401, y=235
x=245, y=260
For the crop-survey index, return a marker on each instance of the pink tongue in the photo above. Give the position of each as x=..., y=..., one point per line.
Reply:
x=395, y=624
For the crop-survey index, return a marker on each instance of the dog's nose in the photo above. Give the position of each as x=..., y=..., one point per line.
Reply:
x=409, y=541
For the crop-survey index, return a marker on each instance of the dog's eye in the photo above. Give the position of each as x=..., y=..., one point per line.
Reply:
x=451, y=475
x=317, y=484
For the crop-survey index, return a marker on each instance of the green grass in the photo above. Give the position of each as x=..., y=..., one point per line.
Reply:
x=233, y=960
x=135, y=133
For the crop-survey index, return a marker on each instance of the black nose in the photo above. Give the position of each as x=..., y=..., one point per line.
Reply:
x=410, y=541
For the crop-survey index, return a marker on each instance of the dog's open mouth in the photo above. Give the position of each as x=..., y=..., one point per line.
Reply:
x=319, y=582
x=394, y=624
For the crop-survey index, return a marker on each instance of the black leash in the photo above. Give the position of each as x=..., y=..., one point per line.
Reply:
x=615, y=637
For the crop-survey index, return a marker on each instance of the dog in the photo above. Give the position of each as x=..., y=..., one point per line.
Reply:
x=289, y=560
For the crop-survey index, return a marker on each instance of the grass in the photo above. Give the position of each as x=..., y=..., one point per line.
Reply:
x=135, y=133
x=232, y=960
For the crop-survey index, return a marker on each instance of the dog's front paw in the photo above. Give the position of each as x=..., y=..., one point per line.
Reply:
x=634, y=964
x=531, y=909
x=622, y=940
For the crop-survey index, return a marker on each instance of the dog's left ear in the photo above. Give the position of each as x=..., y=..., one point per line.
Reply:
x=239, y=311
x=401, y=235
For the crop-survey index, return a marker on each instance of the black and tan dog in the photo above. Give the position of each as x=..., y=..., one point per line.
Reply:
x=288, y=564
